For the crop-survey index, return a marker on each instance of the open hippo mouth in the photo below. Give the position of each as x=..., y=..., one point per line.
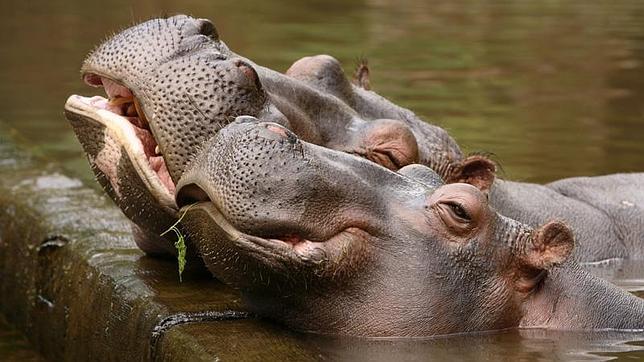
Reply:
x=122, y=113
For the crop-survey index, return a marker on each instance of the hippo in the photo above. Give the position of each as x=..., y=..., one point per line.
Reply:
x=165, y=103
x=172, y=84
x=606, y=213
x=325, y=242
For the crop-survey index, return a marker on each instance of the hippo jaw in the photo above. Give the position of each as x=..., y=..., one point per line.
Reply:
x=281, y=252
x=125, y=66
x=128, y=124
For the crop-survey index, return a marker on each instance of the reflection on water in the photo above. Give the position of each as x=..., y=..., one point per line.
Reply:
x=14, y=346
x=524, y=345
x=554, y=89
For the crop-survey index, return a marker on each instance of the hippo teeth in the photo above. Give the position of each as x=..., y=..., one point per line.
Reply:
x=123, y=102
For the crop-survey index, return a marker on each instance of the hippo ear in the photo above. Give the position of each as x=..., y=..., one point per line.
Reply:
x=552, y=244
x=361, y=75
x=475, y=170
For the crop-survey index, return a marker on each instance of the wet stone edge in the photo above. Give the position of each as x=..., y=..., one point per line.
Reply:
x=62, y=251
x=179, y=319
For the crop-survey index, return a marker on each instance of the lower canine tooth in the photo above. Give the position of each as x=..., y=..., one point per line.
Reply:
x=157, y=150
x=117, y=101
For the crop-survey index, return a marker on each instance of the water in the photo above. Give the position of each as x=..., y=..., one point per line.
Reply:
x=14, y=346
x=513, y=345
x=552, y=88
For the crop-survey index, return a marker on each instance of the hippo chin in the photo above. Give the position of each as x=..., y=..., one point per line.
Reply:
x=172, y=84
x=326, y=242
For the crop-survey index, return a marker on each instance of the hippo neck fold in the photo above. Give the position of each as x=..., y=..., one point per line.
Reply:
x=337, y=115
x=571, y=298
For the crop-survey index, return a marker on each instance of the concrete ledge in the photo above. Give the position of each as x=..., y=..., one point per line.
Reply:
x=72, y=279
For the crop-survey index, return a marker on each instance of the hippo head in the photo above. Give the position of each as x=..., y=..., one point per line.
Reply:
x=327, y=242
x=170, y=83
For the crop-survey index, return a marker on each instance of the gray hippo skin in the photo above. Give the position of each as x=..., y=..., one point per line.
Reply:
x=605, y=212
x=172, y=84
x=326, y=242
x=181, y=84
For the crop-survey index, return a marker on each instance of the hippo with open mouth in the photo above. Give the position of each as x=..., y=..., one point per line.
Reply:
x=171, y=84
x=327, y=242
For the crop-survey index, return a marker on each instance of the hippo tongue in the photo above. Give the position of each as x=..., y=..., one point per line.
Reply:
x=156, y=161
x=148, y=141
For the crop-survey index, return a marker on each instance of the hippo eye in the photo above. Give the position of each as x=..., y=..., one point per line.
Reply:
x=459, y=211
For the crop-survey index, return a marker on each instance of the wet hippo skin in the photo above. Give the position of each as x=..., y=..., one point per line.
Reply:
x=326, y=242
x=605, y=212
x=172, y=84
x=189, y=84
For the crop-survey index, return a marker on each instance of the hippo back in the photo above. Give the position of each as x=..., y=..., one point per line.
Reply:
x=619, y=196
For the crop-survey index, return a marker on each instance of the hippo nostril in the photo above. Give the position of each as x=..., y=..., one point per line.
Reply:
x=246, y=119
x=207, y=28
x=249, y=72
x=191, y=194
x=280, y=131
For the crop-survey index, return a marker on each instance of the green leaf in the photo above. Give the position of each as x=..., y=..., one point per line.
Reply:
x=180, y=244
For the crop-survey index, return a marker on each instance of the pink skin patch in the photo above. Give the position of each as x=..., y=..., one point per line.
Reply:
x=121, y=102
x=278, y=130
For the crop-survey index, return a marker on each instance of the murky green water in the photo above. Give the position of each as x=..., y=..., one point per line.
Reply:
x=552, y=88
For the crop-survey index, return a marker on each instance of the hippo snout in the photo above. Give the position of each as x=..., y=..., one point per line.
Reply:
x=267, y=182
x=234, y=147
x=255, y=173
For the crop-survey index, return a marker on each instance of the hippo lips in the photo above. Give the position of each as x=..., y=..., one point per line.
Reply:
x=288, y=247
x=122, y=114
